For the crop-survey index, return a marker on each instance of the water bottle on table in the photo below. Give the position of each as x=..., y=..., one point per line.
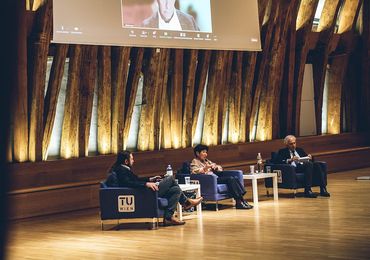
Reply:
x=169, y=171
x=259, y=163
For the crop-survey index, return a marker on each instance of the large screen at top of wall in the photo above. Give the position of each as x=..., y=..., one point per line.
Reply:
x=194, y=24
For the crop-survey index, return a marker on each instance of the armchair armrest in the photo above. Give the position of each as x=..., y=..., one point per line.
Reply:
x=208, y=182
x=289, y=179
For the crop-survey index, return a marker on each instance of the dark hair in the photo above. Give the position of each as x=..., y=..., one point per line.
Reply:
x=200, y=147
x=122, y=156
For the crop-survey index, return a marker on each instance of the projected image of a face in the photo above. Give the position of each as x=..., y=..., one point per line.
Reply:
x=172, y=15
x=166, y=9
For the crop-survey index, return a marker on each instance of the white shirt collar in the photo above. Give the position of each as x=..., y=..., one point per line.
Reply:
x=173, y=24
x=126, y=166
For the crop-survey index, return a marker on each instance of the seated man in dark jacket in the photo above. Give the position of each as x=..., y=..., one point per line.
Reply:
x=167, y=187
x=292, y=154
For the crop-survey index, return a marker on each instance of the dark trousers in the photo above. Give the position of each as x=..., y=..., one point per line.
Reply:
x=169, y=189
x=235, y=188
x=314, y=173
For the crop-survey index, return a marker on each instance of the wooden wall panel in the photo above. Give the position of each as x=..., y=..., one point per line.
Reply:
x=87, y=86
x=39, y=54
x=49, y=202
x=176, y=98
x=365, y=64
x=161, y=84
x=104, y=100
x=211, y=117
x=268, y=122
x=249, y=63
x=305, y=18
x=165, y=120
x=69, y=141
x=20, y=94
x=137, y=55
x=225, y=93
x=120, y=66
x=338, y=66
x=248, y=77
x=204, y=59
x=190, y=68
x=326, y=29
x=149, y=130
x=52, y=94
x=336, y=74
x=351, y=94
x=235, y=98
x=262, y=61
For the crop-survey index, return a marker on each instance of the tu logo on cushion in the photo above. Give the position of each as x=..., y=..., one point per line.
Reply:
x=126, y=203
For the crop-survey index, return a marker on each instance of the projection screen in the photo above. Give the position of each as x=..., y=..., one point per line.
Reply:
x=199, y=24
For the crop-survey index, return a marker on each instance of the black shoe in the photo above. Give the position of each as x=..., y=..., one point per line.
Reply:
x=324, y=192
x=309, y=194
x=243, y=205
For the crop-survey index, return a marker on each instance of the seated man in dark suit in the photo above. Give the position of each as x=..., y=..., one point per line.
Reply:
x=166, y=187
x=292, y=154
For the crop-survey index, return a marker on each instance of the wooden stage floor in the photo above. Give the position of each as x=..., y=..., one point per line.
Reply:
x=293, y=228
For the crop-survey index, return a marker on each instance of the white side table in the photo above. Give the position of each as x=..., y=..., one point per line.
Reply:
x=254, y=177
x=190, y=187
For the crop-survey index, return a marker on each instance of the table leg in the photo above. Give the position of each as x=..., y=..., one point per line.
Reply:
x=255, y=192
x=179, y=211
x=199, y=206
x=275, y=187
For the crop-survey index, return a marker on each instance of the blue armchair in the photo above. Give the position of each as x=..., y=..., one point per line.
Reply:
x=123, y=203
x=210, y=189
x=289, y=178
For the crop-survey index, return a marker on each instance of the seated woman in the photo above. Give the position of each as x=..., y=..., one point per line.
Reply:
x=201, y=165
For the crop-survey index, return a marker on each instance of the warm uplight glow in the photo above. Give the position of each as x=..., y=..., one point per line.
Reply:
x=261, y=135
x=104, y=145
x=234, y=138
x=176, y=142
x=334, y=126
x=252, y=134
x=22, y=155
x=66, y=153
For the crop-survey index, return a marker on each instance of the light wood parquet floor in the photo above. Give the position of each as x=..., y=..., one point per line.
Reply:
x=293, y=228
